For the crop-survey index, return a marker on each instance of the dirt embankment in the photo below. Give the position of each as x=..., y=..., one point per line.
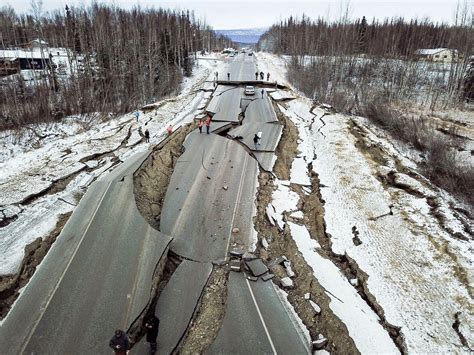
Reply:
x=281, y=243
x=34, y=254
x=209, y=316
x=152, y=179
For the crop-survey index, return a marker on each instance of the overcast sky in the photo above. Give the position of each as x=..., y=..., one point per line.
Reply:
x=231, y=14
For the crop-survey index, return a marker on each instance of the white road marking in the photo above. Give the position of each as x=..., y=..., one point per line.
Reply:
x=237, y=202
x=25, y=344
x=261, y=317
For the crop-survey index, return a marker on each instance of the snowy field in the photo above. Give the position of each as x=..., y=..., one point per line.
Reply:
x=45, y=167
x=418, y=259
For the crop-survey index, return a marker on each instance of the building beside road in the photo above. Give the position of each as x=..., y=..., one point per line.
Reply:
x=444, y=55
x=35, y=55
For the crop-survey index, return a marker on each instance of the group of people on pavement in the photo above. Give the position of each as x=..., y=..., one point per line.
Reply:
x=262, y=75
x=207, y=122
x=120, y=342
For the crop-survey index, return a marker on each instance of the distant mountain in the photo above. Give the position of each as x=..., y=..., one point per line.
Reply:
x=245, y=36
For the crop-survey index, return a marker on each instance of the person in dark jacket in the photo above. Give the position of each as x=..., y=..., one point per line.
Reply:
x=256, y=75
x=262, y=75
x=255, y=141
x=119, y=342
x=147, y=136
x=152, y=325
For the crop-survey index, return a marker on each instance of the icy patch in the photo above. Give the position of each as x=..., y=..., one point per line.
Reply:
x=284, y=199
x=299, y=172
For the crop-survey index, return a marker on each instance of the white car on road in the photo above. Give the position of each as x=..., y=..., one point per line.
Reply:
x=249, y=90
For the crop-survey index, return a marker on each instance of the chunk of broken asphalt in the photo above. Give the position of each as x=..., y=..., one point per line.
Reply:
x=235, y=265
x=277, y=261
x=267, y=277
x=237, y=253
x=249, y=256
x=257, y=267
x=251, y=278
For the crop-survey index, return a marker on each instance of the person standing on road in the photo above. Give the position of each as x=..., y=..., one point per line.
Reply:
x=208, y=123
x=228, y=76
x=259, y=137
x=262, y=75
x=169, y=130
x=200, y=126
x=255, y=140
x=263, y=91
x=137, y=115
x=119, y=342
x=152, y=325
x=268, y=76
x=256, y=75
x=147, y=136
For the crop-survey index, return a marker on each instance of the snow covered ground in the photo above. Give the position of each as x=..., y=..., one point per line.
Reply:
x=416, y=249
x=44, y=168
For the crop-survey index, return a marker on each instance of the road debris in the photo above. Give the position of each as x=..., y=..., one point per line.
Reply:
x=268, y=276
x=235, y=265
x=257, y=267
x=286, y=282
x=320, y=342
x=316, y=308
x=249, y=256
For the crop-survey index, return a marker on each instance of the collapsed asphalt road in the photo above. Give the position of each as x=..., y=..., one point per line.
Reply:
x=99, y=274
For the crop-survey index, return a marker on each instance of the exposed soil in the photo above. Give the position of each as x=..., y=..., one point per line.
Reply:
x=287, y=148
x=163, y=272
x=281, y=243
x=152, y=179
x=208, y=319
x=34, y=254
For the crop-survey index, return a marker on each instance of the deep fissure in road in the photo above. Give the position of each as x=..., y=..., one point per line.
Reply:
x=163, y=272
x=152, y=179
x=209, y=314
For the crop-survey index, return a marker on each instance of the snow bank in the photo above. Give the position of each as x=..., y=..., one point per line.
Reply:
x=361, y=321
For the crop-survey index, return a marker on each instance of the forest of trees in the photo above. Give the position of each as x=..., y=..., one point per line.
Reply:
x=390, y=38
x=123, y=58
x=351, y=63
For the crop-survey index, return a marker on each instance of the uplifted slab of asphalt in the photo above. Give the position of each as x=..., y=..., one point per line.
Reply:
x=225, y=104
x=271, y=133
x=281, y=95
x=203, y=201
x=266, y=159
x=176, y=305
x=105, y=283
x=256, y=321
x=259, y=109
